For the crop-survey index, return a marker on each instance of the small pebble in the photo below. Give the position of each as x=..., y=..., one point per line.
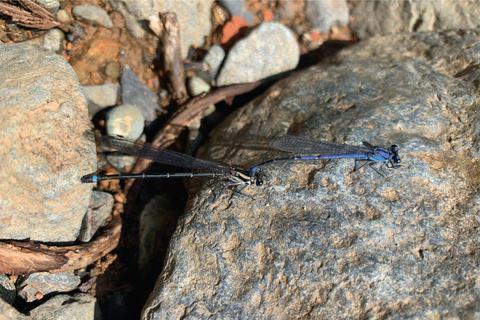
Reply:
x=76, y=32
x=50, y=5
x=64, y=16
x=125, y=120
x=121, y=162
x=93, y=15
x=51, y=40
x=101, y=96
x=214, y=59
x=237, y=8
x=113, y=70
x=99, y=210
x=137, y=94
x=197, y=86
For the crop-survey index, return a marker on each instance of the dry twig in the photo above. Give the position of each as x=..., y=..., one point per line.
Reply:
x=172, y=56
x=29, y=14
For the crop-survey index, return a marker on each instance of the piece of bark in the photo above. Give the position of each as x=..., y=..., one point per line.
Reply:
x=29, y=257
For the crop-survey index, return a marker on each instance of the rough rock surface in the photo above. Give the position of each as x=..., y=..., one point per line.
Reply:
x=45, y=146
x=380, y=17
x=319, y=241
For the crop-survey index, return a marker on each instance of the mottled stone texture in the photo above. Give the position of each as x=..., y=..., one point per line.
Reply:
x=380, y=17
x=46, y=145
x=319, y=241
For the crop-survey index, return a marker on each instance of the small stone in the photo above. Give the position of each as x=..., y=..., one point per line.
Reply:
x=135, y=93
x=113, y=70
x=100, y=208
x=93, y=15
x=7, y=289
x=101, y=96
x=76, y=32
x=269, y=49
x=51, y=40
x=213, y=59
x=197, y=86
x=45, y=282
x=121, y=162
x=50, y=5
x=237, y=8
x=131, y=21
x=324, y=14
x=64, y=16
x=125, y=120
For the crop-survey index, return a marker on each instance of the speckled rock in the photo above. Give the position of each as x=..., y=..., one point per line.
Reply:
x=214, y=60
x=10, y=313
x=324, y=14
x=101, y=96
x=100, y=208
x=80, y=306
x=45, y=145
x=270, y=49
x=93, y=15
x=45, y=283
x=381, y=17
x=51, y=40
x=8, y=291
x=319, y=241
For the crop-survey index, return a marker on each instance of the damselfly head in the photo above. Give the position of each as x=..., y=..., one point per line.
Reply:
x=258, y=180
x=395, y=156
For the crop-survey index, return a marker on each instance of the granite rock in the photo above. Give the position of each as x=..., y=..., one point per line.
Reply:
x=45, y=144
x=319, y=240
x=382, y=17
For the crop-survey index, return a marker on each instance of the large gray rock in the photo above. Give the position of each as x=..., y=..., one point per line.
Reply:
x=381, y=17
x=319, y=241
x=45, y=146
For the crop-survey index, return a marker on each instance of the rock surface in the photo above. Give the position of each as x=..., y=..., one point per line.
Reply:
x=45, y=146
x=101, y=96
x=64, y=307
x=10, y=313
x=44, y=283
x=324, y=14
x=388, y=16
x=320, y=241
